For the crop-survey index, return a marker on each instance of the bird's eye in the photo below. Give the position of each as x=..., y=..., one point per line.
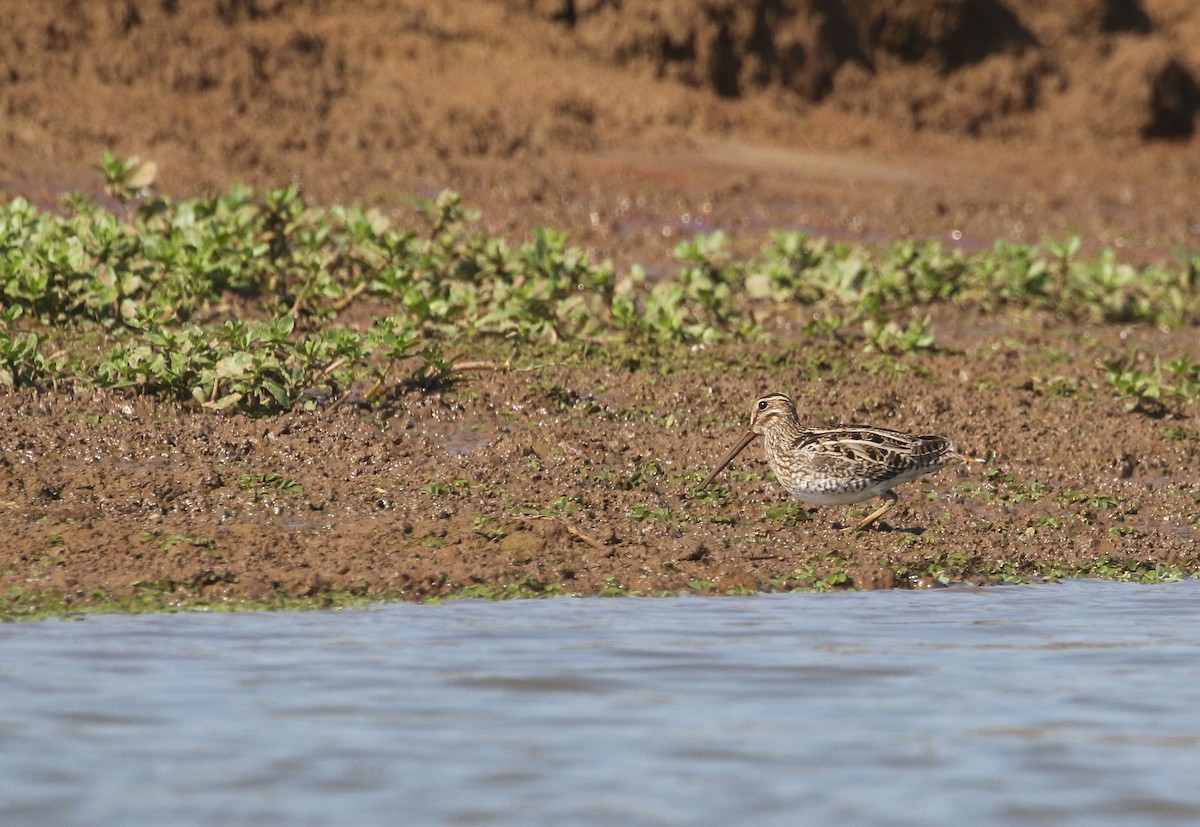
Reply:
x=762, y=404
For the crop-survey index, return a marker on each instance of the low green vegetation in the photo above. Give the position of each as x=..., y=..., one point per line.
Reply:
x=258, y=302
x=788, y=514
x=523, y=587
x=1156, y=387
x=20, y=603
x=245, y=301
x=955, y=566
x=258, y=484
x=812, y=579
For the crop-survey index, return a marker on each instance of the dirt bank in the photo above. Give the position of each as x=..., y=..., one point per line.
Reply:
x=627, y=125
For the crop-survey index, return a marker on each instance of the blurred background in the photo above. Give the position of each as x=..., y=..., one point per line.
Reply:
x=631, y=122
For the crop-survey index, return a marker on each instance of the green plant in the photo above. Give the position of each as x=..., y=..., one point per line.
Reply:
x=1074, y=496
x=242, y=301
x=128, y=178
x=22, y=363
x=890, y=337
x=1150, y=389
x=441, y=489
x=1141, y=390
x=489, y=528
x=788, y=513
x=641, y=512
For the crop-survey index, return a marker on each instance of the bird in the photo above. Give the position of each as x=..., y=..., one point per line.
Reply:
x=840, y=465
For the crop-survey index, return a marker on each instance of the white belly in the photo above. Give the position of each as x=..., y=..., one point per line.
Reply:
x=844, y=492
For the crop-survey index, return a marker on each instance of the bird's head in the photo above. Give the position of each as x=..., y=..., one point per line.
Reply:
x=771, y=410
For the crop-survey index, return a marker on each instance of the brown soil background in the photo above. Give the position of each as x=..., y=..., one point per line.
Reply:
x=627, y=125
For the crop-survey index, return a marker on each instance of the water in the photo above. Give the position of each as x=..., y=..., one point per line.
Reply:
x=1070, y=704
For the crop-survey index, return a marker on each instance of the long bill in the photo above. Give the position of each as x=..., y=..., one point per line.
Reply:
x=737, y=449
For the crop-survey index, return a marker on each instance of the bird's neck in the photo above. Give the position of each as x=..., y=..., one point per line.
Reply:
x=783, y=433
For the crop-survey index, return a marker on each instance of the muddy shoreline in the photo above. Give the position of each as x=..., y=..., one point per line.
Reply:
x=580, y=477
x=573, y=470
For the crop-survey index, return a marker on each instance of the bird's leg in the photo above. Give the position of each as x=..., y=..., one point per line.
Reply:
x=890, y=497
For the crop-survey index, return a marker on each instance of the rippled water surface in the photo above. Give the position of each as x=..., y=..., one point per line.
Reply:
x=1069, y=704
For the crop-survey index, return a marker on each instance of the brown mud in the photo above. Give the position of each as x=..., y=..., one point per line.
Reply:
x=627, y=125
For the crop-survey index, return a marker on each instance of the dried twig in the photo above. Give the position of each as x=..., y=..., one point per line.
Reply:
x=572, y=530
x=348, y=299
x=331, y=367
x=505, y=366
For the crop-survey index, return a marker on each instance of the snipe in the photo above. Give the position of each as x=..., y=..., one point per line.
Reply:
x=842, y=465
